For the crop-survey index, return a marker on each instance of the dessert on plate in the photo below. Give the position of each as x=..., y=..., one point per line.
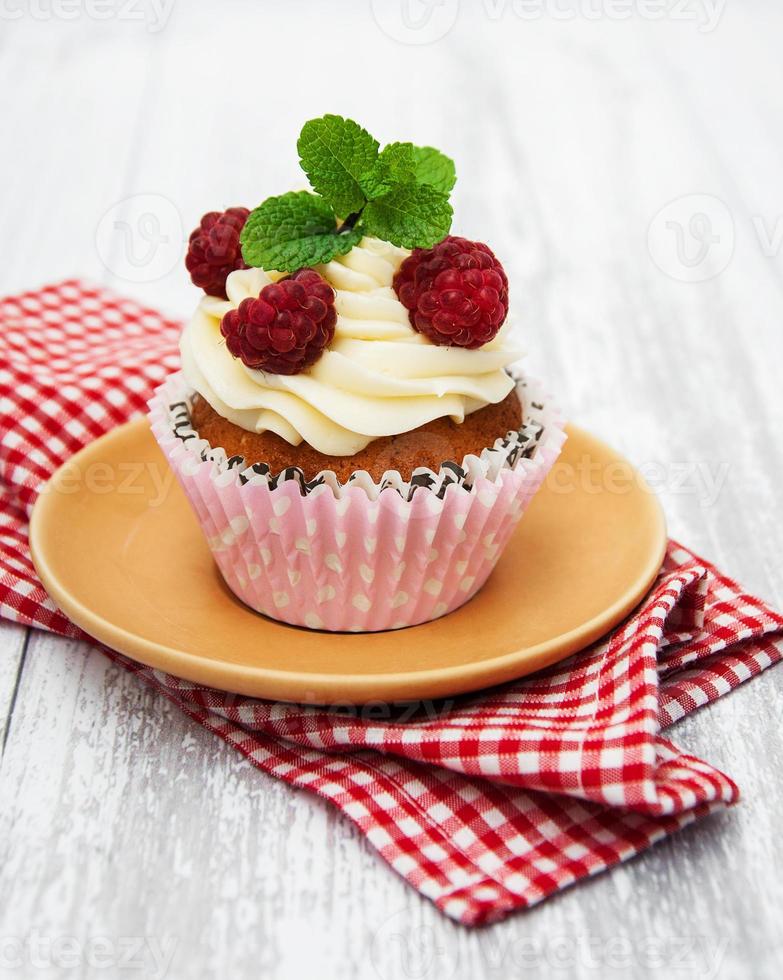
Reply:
x=346, y=423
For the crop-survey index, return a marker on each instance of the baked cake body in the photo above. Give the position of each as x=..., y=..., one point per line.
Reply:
x=428, y=446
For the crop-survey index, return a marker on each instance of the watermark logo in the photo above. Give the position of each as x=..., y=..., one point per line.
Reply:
x=420, y=953
x=415, y=21
x=141, y=238
x=691, y=239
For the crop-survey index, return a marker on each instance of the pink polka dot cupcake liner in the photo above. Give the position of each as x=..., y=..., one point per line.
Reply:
x=360, y=556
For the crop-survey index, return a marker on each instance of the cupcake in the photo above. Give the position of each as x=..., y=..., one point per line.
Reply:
x=346, y=423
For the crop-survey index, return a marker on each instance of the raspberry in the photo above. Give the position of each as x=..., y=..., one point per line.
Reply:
x=287, y=328
x=214, y=251
x=456, y=292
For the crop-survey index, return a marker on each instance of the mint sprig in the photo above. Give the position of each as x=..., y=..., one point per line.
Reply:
x=400, y=194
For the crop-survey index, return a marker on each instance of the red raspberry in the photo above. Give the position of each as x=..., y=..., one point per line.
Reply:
x=456, y=292
x=214, y=250
x=287, y=328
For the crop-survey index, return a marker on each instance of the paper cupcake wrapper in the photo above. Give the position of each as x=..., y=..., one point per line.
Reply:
x=365, y=555
x=506, y=452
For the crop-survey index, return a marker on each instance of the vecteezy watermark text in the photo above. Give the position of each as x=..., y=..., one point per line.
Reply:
x=153, y=14
x=703, y=480
x=683, y=956
x=399, y=712
x=705, y=14
x=148, y=956
x=419, y=22
x=129, y=478
x=425, y=952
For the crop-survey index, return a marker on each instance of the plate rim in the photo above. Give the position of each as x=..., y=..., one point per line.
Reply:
x=428, y=683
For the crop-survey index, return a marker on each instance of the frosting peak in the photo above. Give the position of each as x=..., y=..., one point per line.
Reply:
x=378, y=378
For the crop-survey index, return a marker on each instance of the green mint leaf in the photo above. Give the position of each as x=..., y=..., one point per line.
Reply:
x=410, y=216
x=336, y=154
x=434, y=168
x=395, y=165
x=294, y=230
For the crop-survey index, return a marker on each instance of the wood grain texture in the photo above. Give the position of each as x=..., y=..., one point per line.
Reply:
x=13, y=643
x=121, y=819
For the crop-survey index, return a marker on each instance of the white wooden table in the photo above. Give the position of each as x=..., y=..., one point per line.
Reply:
x=129, y=837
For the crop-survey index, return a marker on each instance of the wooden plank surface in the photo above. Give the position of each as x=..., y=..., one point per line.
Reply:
x=124, y=824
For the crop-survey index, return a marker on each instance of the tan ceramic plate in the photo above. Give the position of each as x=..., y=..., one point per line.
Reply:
x=117, y=546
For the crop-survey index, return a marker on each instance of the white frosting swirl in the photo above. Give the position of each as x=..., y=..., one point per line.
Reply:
x=379, y=377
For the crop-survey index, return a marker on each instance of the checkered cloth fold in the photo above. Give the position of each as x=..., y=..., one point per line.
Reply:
x=486, y=803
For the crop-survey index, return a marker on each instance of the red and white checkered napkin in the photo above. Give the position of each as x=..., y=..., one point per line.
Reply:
x=484, y=804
